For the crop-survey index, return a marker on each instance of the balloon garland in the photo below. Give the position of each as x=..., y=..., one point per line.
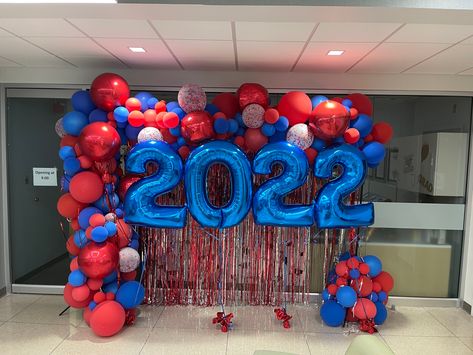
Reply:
x=159, y=138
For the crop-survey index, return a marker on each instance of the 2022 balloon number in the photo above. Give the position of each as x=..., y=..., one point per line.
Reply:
x=328, y=210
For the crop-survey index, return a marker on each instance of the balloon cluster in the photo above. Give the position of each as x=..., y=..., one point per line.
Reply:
x=103, y=248
x=357, y=291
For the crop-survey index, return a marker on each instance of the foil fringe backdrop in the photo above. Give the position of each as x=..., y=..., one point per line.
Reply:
x=184, y=266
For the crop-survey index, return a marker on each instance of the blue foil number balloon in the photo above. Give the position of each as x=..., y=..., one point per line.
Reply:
x=140, y=201
x=197, y=167
x=268, y=202
x=330, y=211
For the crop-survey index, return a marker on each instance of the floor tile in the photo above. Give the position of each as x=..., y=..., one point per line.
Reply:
x=23, y=338
x=46, y=311
x=188, y=317
x=147, y=316
x=412, y=321
x=311, y=321
x=409, y=345
x=468, y=341
x=249, y=341
x=186, y=341
x=456, y=320
x=263, y=318
x=12, y=304
x=333, y=344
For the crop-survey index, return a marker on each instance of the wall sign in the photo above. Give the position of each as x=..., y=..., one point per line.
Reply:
x=44, y=176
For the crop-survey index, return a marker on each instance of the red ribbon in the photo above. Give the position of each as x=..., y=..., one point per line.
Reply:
x=282, y=315
x=224, y=320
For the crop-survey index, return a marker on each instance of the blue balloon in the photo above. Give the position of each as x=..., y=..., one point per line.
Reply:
x=325, y=295
x=374, y=297
x=152, y=102
x=81, y=101
x=212, y=109
x=130, y=294
x=176, y=131
x=181, y=141
x=144, y=96
x=77, y=278
x=354, y=273
x=345, y=256
x=221, y=126
x=382, y=296
x=179, y=112
x=121, y=114
x=381, y=313
x=85, y=214
x=67, y=152
x=268, y=203
x=233, y=126
x=346, y=296
x=363, y=124
x=240, y=131
x=111, y=228
x=98, y=115
x=278, y=136
x=332, y=313
x=374, y=152
x=80, y=239
x=110, y=277
x=239, y=119
x=65, y=181
x=73, y=122
x=171, y=106
x=140, y=201
x=134, y=244
x=317, y=100
x=119, y=212
x=268, y=129
x=132, y=132
x=105, y=202
x=281, y=124
x=198, y=164
x=99, y=234
x=375, y=265
x=71, y=166
x=347, y=102
x=110, y=287
x=92, y=305
x=319, y=144
x=330, y=211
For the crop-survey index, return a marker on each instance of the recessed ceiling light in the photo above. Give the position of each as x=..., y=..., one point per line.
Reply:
x=335, y=52
x=137, y=49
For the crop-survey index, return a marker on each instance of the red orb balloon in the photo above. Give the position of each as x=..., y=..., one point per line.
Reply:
x=385, y=280
x=329, y=120
x=382, y=132
x=107, y=318
x=108, y=91
x=227, y=103
x=99, y=141
x=125, y=184
x=353, y=263
x=98, y=260
x=197, y=126
x=364, y=268
x=86, y=187
x=85, y=162
x=341, y=281
x=295, y=106
x=254, y=139
x=364, y=309
x=71, y=301
x=362, y=103
x=170, y=120
x=251, y=93
x=377, y=287
x=133, y=104
x=69, y=207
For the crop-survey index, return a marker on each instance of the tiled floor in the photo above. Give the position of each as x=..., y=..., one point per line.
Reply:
x=30, y=325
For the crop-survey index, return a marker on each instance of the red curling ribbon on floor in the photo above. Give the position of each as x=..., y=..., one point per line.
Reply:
x=367, y=325
x=130, y=316
x=225, y=321
x=282, y=315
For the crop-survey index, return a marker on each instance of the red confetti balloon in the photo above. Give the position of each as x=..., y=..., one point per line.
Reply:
x=227, y=103
x=99, y=141
x=71, y=301
x=385, y=280
x=364, y=309
x=362, y=103
x=254, y=139
x=109, y=90
x=382, y=132
x=69, y=207
x=86, y=187
x=252, y=93
x=329, y=120
x=295, y=106
x=197, y=127
x=98, y=260
x=107, y=318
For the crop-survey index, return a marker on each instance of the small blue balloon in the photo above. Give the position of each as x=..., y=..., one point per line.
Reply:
x=111, y=228
x=319, y=144
x=105, y=202
x=332, y=313
x=99, y=234
x=317, y=100
x=239, y=119
x=354, y=273
x=121, y=114
x=281, y=124
x=375, y=265
x=110, y=287
x=382, y=296
x=363, y=124
x=212, y=109
x=171, y=106
x=143, y=97
x=71, y=166
x=278, y=136
x=268, y=129
x=179, y=112
x=85, y=214
x=130, y=294
x=374, y=152
x=132, y=132
x=181, y=141
x=325, y=295
x=65, y=181
x=110, y=277
x=233, y=126
x=98, y=115
x=240, y=132
x=221, y=126
x=80, y=239
x=73, y=122
x=176, y=131
x=67, y=152
x=135, y=235
x=381, y=313
x=77, y=278
x=374, y=297
x=345, y=256
x=347, y=103
x=119, y=212
x=346, y=296
x=152, y=102
x=92, y=305
x=81, y=101
x=134, y=244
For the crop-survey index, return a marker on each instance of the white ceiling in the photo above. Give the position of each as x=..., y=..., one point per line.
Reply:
x=390, y=44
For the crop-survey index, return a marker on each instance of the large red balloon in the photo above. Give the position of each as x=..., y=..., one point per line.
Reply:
x=99, y=141
x=329, y=120
x=197, y=126
x=68, y=207
x=98, y=260
x=254, y=139
x=295, y=106
x=382, y=132
x=73, y=303
x=107, y=318
x=385, y=280
x=109, y=90
x=227, y=103
x=362, y=103
x=365, y=309
x=251, y=93
x=363, y=286
x=86, y=187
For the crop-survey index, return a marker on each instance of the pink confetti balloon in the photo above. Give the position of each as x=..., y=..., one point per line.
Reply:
x=150, y=134
x=129, y=259
x=59, y=128
x=300, y=135
x=253, y=116
x=191, y=97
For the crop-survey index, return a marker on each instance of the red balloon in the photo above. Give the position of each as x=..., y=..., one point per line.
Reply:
x=170, y=120
x=364, y=268
x=271, y=115
x=254, y=139
x=385, y=280
x=80, y=293
x=85, y=162
x=197, y=126
x=251, y=93
x=332, y=289
x=184, y=152
x=94, y=284
x=125, y=184
x=99, y=141
x=167, y=136
x=150, y=118
x=86, y=315
x=108, y=91
x=341, y=269
x=71, y=247
x=133, y=104
x=341, y=281
x=73, y=303
x=362, y=103
x=295, y=106
x=73, y=265
x=107, y=318
x=69, y=207
x=363, y=286
x=97, y=219
x=311, y=154
x=75, y=225
x=382, y=132
x=351, y=315
x=353, y=263
x=128, y=276
x=124, y=233
x=227, y=103
x=376, y=287
x=86, y=187
x=98, y=260
x=136, y=118
x=365, y=309
x=67, y=140
x=106, y=167
x=329, y=120
x=351, y=135
x=99, y=297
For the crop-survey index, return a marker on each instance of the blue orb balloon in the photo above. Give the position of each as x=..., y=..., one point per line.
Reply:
x=181, y=141
x=347, y=103
x=374, y=297
x=111, y=228
x=80, y=239
x=92, y=305
x=81, y=101
x=74, y=121
x=98, y=115
x=281, y=124
x=375, y=265
x=346, y=296
x=345, y=256
x=119, y=212
x=221, y=126
x=278, y=136
x=268, y=129
x=130, y=294
x=67, y=152
x=176, y=131
x=121, y=114
x=332, y=313
x=179, y=112
x=77, y=278
x=99, y=234
x=105, y=202
x=381, y=313
x=135, y=244
x=212, y=109
x=374, y=153
x=316, y=100
x=363, y=124
x=71, y=166
x=85, y=214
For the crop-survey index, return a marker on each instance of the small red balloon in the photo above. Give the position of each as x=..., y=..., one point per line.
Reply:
x=382, y=132
x=364, y=268
x=124, y=233
x=150, y=118
x=99, y=297
x=351, y=315
x=368, y=138
x=69, y=141
x=98, y=260
x=254, y=139
x=364, y=309
x=341, y=281
x=329, y=120
x=239, y=141
x=341, y=269
x=271, y=115
x=128, y=276
x=362, y=103
x=94, y=284
x=160, y=106
x=363, y=286
x=351, y=135
x=227, y=103
x=376, y=287
x=71, y=247
x=97, y=219
x=86, y=187
x=136, y=118
x=69, y=207
x=99, y=141
x=252, y=93
x=385, y=280
x=311, y=154
x=167, y=136
x=133, y=104
x=85, y=162
x=295, y=106
x=332, y=289
x=107, y=318
x=108, y=91
x=81, y=293
x=353, y=263
x=75, y=225
x=171, y=120
x=73, y=265
x=71, y=301
x=184, y=152
x=197, y=126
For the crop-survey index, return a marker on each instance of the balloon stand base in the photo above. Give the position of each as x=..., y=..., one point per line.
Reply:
x=225, y=321
x=282, y=315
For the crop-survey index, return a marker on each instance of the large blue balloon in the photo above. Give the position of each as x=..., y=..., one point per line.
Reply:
x=81, y=101
x=381, y=313
x=346, y=296
x=363, y=123
x=197, y=167
x=268, y=203
x=375, y=265
x=74, y=121
x=331, y=212
x=130, y=294
x=332, y=313
x=140, y=201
